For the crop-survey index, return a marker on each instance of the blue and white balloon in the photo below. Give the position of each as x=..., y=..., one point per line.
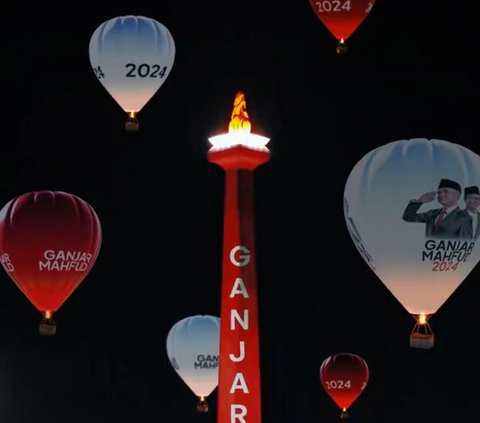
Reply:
x=132, y=57
x=193, y=349
x=392, y=201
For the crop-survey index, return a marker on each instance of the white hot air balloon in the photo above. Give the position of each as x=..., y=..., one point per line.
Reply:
x=394, y=201
x=193, y=348
x=132, y=57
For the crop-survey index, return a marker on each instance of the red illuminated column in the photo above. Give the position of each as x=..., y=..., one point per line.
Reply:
x=239, y=153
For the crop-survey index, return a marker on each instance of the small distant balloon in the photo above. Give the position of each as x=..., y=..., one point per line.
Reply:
x=342, y=17
x=412, y=209
x=132, y=57
x=344, y=376
x=49, y=242
x=193, y=348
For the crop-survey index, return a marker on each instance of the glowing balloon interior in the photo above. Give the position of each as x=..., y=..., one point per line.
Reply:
x=193, y=347
x=132, y=57
x=49, y=242
x=342, y=17
x=394, y=201
x=344, y=376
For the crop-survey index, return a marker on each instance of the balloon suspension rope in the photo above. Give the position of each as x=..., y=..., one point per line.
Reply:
x=422, y=327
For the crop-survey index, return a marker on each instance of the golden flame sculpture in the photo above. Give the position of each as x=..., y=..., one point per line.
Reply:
x=239, y=120
x=239, y=130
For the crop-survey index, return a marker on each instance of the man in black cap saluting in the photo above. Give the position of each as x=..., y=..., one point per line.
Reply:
x=472, y=215
x=445, y=222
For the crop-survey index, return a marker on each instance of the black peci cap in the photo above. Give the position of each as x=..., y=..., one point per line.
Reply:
x=471, y=190
x=448, y=183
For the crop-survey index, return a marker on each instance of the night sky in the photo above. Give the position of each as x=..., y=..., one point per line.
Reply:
x=410, y=72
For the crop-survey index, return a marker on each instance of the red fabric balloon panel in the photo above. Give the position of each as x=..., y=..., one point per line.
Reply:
x=344, y=377
x=49, y=241
x=342, y=17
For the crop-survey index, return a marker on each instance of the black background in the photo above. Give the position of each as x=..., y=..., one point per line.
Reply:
x=410, y=72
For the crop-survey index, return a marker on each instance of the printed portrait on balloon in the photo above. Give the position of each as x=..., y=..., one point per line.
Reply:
x=472, y=207
x=447, y=221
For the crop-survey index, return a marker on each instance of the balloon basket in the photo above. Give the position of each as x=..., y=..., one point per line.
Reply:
x=202, y=406
x=47, y=327
x=344, y=414
x=132, y=124
x=422, y=341
x=422, y=336
x=342, y=47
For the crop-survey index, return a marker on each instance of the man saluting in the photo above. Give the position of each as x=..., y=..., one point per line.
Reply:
x=447, y=221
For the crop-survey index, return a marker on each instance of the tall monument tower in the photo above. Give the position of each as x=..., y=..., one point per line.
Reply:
x=239, y=153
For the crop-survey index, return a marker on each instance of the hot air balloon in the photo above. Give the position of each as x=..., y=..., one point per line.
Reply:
x=394, y=203
x=193, y=347
x=342, y=17
x=49, y=241
x=132, y=57
x=344, y=377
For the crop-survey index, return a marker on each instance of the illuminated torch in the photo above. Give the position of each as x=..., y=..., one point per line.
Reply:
x=239, y=153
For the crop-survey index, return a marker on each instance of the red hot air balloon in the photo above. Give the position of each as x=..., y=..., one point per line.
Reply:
x=342, y=17
x=344, y=377
x=49, y=241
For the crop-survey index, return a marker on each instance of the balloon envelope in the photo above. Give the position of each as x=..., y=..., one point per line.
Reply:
x=344, y=377
x=193, y=347
x=49, y=241
x=392, y=199
x=132, y=57
x=342, y=17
